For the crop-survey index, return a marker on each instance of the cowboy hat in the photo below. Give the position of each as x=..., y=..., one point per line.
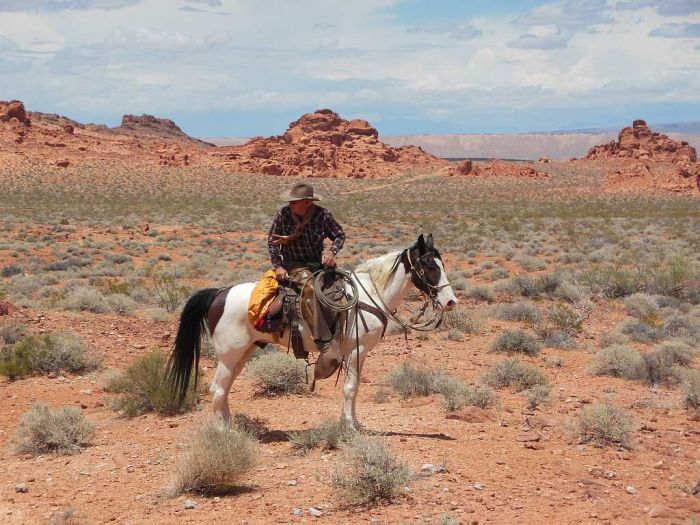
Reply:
x=300, y=192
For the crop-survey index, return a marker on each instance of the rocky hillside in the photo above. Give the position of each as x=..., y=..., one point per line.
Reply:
x=323, y=144
x=643, y=159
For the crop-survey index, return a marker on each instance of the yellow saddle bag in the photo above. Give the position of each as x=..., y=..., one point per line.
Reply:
x=261, y=298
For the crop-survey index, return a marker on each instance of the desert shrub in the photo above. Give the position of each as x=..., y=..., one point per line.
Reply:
x=117, y=258
x=669, y=278
x=641, y=331
x=10, y=270
x=277, y=373
x=47, y=353
x=661, y=363
x=537, y=395
x=518, y=311
x=498, y=273
x=565, y=319
x=121, y=304
x=613, y=337
x=531, y=263
x=481, y=293
x=512, y=372
x=144, y=388
x=619, y=361
x=86, y=299
x=604, y=424
x=62, y=431
x=459, y=319
x=568, y=292
x=215, y=460
x=455, y=335
x=12, y=331
x=516, y=341
x=169, y=293
x=690, y=386
x=372, y=473
x=642, y=307
x=332, y=434
x=410, y=381
x=255, y=426
x=612, y=282
x=457, y=394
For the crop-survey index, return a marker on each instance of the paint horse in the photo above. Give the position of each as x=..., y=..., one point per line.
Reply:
x=382, y=282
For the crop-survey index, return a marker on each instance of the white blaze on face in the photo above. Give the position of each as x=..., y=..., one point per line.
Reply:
x=446, y=296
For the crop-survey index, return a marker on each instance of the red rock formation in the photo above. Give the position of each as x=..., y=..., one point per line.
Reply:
x=14, y=109
x=499, y=168
x=322, y=144
x=639, y=142
x=643, y=159
x=160, y=128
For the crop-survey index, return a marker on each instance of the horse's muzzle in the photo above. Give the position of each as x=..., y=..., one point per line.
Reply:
x=449, y=306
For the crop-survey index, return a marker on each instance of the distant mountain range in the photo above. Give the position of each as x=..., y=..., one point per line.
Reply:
x=553, y=144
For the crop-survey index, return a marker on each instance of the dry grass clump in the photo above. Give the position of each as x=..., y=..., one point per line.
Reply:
x=519, y=311
x=459, y=320
x=61, y=431
x=516, y=341
x=641, y=331
x=512, y=372
x=86, y=299
x=643, y=307
x=276, y=373
x=331, y=433
x=53, y=352
x=12, y=331
x=537, y=395
x=215, y=460
x=690, y=386
x=410, y=381
x=662, y=364
x=372, y=473
x=144, y=388
x=457, y=394
x=619, y=361
x=604, y=424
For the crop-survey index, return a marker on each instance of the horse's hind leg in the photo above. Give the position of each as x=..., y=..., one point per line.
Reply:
x=226, y=372
x=351, y=387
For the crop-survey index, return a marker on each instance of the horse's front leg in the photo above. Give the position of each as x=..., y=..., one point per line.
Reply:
x=352, y=386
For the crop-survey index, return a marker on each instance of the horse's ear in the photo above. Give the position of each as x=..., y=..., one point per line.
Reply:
x=420, y=244
x=429, y=242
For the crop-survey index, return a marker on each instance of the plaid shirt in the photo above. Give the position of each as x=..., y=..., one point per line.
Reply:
x=308, y=247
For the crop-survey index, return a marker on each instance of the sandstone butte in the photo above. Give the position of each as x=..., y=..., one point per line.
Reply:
x=499, y=168
x=642, y=159
x=318, y=144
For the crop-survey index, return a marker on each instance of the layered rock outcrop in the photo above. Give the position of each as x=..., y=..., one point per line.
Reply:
x=323, y=144
x=157, y=128
x=643, y=159
x=499, y=168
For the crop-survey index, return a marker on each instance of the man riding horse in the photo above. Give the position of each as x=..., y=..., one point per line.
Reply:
x=295, y=243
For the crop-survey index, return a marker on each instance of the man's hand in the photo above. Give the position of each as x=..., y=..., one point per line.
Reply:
x=281, y=273
x=328, y=259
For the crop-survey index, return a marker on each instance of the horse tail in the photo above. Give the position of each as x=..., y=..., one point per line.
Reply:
x=188, y=343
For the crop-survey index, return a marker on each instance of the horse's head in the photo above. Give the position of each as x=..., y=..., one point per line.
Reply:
x=428, y=273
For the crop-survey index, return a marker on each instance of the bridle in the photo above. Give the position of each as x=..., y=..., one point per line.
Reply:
x=417, y=273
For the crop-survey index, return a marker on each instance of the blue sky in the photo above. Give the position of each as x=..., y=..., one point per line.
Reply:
x=244, y=67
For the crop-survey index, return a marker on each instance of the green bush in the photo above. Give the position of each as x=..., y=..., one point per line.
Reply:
x=512, y=372
x=62, y=431
x=372, y=473
x=662, y=363
x=603, y=424
x=516, y=341
x=215, y=460
x=481, y=293
x=54, y=352
x=144, y=388
x=169, y=293
x=641, y=331
x=277, y=373
x=690, y=386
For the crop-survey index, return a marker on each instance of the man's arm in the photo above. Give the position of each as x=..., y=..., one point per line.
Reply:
x=334, y=232
x=274, y=249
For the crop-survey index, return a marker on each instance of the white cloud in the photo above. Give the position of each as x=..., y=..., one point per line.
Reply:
x=663, y=7
x=61, y=5
x=677, y=31
x=452, y=30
